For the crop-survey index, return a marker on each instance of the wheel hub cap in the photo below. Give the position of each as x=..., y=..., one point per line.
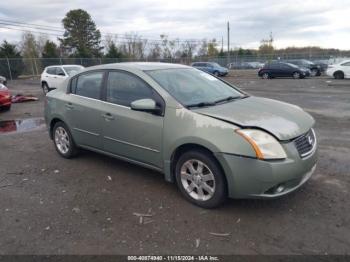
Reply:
x=62, y=140
x=198, y=180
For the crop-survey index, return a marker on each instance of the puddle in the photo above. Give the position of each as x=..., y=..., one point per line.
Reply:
x=10, y=126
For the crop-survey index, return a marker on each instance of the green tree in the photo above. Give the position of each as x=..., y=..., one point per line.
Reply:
x=113, y=51
x=50, y=50
x=81, y=37
x=9, y=51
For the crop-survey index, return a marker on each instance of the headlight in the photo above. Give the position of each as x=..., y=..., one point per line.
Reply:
x=264, y=145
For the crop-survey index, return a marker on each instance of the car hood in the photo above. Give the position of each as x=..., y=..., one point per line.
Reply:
x=283, y=120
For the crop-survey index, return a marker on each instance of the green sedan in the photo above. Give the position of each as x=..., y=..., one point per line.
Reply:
x=206, y=135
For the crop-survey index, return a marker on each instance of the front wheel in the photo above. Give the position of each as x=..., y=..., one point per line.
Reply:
x=216, y=73
x=296, y=75
x=200, y=179
x=63, y=141
x=339, y=75
x=45, y=88
x=265, y=76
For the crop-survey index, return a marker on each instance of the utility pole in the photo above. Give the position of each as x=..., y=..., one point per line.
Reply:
x=228, y=42
x=222, y=44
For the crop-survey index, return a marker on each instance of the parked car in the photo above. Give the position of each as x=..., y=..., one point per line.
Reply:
x=206, y=135
x=53, y=76
x=314, y=68
x=340, y=70
x=5, y=98
x=323, y=64
x=245, y=65
x=212, y=68
x=3, y=80
x=279, y=69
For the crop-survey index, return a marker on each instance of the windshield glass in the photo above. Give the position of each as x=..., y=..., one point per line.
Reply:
x=72, y=69
x=292, y=65
x=215, y=64
x=192, y=86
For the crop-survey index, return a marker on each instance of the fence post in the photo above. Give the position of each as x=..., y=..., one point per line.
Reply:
x=9, y=67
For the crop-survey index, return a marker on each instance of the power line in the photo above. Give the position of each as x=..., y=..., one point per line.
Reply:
x=58, y=29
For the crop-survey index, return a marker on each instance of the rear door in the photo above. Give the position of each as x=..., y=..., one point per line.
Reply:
x=50, y=77
x=132, y=134
x=83, y=109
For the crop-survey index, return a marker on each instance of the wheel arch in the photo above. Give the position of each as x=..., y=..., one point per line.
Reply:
x=338, y=72
x=181, y=149
x=52, y=124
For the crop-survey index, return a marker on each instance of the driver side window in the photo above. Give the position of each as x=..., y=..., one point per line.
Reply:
x=124, y=88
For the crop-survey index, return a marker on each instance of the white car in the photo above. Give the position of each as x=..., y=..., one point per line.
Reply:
x=53, y=76
x=339, y=71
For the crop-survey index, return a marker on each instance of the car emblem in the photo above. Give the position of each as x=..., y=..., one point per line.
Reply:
x=310, y=140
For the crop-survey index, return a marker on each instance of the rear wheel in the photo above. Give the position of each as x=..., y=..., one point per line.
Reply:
x=296, y=75
x=339, y=75
x=200, y=179
x=314, y=72
x=63, y=141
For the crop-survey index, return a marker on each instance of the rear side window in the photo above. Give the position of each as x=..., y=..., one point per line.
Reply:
x=124, y=88
x=346, y=64
x=51, y=70
x=88, y=85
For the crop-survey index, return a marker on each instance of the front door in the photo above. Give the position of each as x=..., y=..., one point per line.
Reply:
x=132, y=134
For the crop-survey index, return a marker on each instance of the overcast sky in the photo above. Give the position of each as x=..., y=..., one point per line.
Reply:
x=292, y=22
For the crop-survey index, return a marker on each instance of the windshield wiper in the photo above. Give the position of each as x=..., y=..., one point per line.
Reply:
x=226, y=99
x=201, y=104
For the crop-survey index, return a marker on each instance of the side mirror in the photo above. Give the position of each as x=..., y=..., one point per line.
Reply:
x=61, y=74
x=146, y=105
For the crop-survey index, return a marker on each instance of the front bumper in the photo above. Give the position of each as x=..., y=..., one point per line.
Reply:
x=253, y=178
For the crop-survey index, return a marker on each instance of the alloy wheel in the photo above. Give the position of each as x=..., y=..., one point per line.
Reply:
x=198, y=180
x=296, y=75
x=62, y=140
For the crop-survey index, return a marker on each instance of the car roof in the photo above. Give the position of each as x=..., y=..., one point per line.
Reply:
x=63, y=66
x=143, y=66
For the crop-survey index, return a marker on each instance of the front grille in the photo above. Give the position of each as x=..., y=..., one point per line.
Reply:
x=306, y=143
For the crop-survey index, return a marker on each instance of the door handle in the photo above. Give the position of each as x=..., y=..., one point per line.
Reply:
x=108, y=116
x=69, y=106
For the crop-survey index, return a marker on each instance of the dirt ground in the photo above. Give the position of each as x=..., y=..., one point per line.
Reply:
x=50, y=205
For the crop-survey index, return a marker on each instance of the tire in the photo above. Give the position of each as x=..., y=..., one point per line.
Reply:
x=314, y=72
x=45, y=87
x=216, y=73
x=296, y=75
x=339, y=75
x=63, y=140
x=206, y=189
x=6, y=108
x=265, y=76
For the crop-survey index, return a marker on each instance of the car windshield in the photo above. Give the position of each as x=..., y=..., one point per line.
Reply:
x=71, y=70
x=192, y=87
x=215, y=64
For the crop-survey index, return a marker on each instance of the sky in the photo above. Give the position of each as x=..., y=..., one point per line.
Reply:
x=292, y=22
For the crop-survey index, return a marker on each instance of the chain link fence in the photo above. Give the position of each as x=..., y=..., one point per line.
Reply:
x=13, y=68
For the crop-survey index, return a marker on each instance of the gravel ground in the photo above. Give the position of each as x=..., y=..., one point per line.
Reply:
x=89, y=205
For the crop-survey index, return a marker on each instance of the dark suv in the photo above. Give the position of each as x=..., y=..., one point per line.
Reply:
x=314, y=68
x=279, y=69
